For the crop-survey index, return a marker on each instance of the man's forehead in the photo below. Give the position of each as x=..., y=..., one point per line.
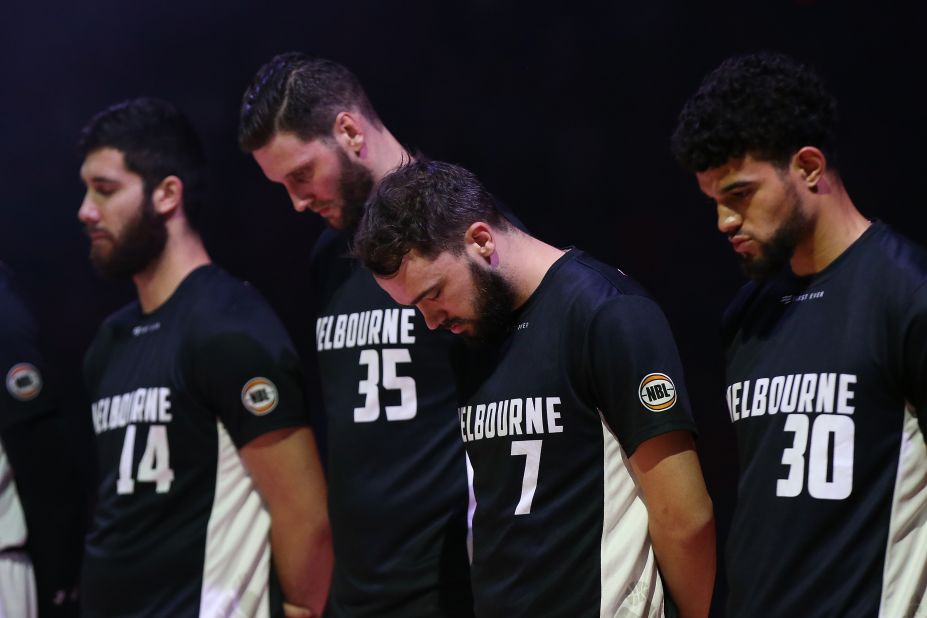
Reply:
x=717, y=180
x=105, y=162
x=286, y=152
x=415, y=276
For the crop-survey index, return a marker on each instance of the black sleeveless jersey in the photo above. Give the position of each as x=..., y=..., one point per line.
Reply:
x=397, y=474
x=179, y=528
x=589, y=373
x=827, y=391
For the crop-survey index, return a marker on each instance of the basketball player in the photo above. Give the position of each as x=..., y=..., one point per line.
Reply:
x=41, y=493
x=589, y=496
x=207, y=468
x=396, y=469
x=826, y=352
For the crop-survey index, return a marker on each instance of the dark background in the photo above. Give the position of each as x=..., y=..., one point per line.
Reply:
x=564, y=110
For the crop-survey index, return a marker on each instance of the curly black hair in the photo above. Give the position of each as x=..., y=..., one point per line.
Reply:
x=764, y=104
x=426, y=206
x=299, y=94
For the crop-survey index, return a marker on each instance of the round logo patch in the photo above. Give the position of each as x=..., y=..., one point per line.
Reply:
x=24, y=382
x=657, y=392
x=260, y=396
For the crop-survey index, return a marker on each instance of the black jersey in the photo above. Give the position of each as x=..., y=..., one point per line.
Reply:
x=827, y=379
x=179, y=528
x=25, y=396
x=588, y=374
x=41, y=495
x=398, y=491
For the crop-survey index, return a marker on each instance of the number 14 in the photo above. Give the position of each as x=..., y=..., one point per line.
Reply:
x=153, y=467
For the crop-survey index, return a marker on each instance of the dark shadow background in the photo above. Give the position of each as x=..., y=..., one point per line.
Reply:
x=564, y=110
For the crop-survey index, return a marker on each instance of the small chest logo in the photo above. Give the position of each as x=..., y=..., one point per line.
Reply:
x=259, y=396
x=24, y=382
x=144, y=329
x=657, y=392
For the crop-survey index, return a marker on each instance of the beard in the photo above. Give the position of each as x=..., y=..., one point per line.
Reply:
x=776, y=252
x=356, y=183
x=495, y=302
x=140, y=243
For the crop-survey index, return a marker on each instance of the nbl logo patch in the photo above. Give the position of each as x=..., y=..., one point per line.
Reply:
x=24, y=382
x=259, y=396
x=657, y=392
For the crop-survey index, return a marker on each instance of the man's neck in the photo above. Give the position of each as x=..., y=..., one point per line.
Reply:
x=181, y=256
x=837, y=224
x=525, y=260
x=385, y=153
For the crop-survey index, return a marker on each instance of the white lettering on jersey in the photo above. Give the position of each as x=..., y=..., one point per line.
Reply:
x=500, y=419
x=828, y=393
x=818, y=460
x=143, y=405
x=374, y=327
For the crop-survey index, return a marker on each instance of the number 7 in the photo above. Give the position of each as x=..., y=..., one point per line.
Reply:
x=531, y=449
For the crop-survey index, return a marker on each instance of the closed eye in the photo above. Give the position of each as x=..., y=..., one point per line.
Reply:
x=301, y=175
x=104, y=188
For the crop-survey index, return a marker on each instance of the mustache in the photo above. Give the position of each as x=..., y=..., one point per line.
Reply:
x=90, y=230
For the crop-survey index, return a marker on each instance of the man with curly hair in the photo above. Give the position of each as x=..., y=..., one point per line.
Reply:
x=826, y=354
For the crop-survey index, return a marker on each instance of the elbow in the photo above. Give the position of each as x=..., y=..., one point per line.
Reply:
x=684, y=523
x=322, y=539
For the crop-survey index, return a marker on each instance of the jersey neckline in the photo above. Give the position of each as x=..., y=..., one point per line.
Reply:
x=178, y=293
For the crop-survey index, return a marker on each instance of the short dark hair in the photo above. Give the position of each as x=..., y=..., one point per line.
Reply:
x=765, y=104
x=298, y=94
x=156, y=141
x=425, y=206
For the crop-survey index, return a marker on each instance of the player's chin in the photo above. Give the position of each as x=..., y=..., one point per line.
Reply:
x=100, y=253
x=335, y=221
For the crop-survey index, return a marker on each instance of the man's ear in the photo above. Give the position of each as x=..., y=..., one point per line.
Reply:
x=348, y=131
x=167, y=196
x=479, y=240
x=811, y=164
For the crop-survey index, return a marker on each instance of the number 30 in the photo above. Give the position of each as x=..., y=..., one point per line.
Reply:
x=840, y=466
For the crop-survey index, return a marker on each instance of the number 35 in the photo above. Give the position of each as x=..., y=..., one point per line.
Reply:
x=408, y=400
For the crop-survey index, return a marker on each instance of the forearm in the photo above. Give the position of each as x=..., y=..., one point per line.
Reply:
x=681, y=519
x=685, y=552
x=303, y=559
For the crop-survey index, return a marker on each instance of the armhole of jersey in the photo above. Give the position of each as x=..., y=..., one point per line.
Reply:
x=236, y=563
x=904, y=587
x=630, y=584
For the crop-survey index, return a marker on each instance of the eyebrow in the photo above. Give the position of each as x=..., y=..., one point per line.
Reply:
x=425, y=293
x=298, y=170
x=101, y=179
x=737, y=184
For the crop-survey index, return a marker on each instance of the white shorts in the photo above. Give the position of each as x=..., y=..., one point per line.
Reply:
x=17, y=586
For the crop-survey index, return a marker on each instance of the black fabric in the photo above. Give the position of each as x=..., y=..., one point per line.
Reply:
x=820, y=371
x=42, y=455
x=396, y=471
x=582, y=345
x=213, y=352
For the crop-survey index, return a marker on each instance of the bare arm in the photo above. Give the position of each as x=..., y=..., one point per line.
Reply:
x=682, y=526
x=286, y=470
